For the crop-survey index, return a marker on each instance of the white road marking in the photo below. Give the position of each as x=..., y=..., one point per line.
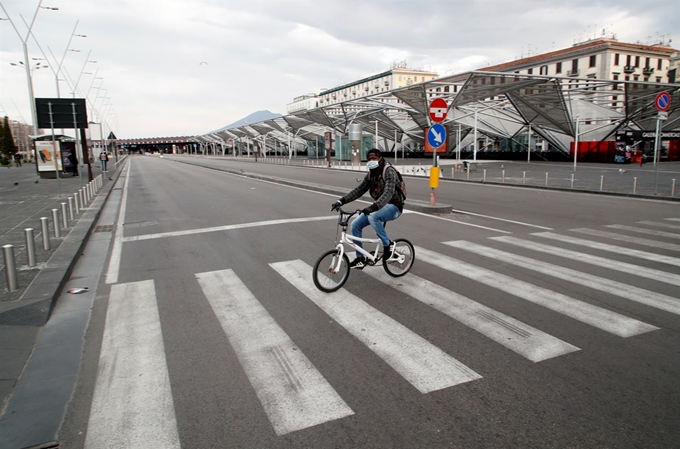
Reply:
x=654, y=232
x=611, y=248
x=424, y=365
x=132, y=405
x=459, y=222
x=226, y=228
x=628, y=239
x=501, y=219
x=293, y=393
x=114, y=261
x=519, y=337
x=661, y=225
x=640, y=295
x=611, y=264
x=579, y=310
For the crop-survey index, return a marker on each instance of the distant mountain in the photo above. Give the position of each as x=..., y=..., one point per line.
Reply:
x=255, y=117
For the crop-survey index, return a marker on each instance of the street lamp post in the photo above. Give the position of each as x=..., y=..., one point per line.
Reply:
x=24, y=42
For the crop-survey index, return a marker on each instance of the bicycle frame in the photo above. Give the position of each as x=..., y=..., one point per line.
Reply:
x=349, y=239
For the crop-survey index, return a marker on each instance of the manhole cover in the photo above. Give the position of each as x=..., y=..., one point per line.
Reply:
x=104, y=228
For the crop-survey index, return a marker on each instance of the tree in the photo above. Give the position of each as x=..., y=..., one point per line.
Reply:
x=7, y=146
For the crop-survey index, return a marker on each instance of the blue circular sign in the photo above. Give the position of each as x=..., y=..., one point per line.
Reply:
x=436, y=135
x=663, y=101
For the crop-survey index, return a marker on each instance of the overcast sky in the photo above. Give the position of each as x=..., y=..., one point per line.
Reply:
x=187, y=67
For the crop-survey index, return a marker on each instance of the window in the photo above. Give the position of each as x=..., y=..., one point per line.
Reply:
x=659, y=64
x=574, y=64
x=530, y=71
x=628, y=59
x=593, y=60
x=544, y=70
x=647, y=62
x=616, y=58
x=658, y=79
x=446, y=88
x=558, y=67
x=637, y=61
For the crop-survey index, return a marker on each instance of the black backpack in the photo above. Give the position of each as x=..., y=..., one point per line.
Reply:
x=401, y=185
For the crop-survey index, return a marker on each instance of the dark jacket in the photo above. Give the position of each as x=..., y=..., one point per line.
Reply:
x=383, y=191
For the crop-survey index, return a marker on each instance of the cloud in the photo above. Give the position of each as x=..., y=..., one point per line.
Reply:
x=261, y=54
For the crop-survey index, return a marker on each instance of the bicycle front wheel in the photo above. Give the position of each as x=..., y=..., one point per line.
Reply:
x=402, y=260
x=328, y=274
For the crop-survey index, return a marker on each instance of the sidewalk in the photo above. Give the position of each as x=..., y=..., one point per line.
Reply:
x=24, y=199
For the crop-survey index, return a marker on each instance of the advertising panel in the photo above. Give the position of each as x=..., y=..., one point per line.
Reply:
x=49, y=156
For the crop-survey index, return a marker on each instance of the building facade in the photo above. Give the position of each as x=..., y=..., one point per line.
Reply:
x=382, y=82
x=603, y=59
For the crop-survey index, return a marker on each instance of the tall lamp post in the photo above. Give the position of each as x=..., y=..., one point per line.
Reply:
x=24, y=42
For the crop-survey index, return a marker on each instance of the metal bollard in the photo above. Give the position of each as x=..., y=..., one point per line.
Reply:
x=468, y=174
x=10, y=268
x=503, y=176
x=524, y=177
x=76, y=201
x=70, y=209
x=601, y=182
x=673, y=188
x=635, y=185
x=572, y=180
x=45, y=233
x=484, y=174
x=64, y=217
x=30, y=247
x=546, y=179
x=55, y=222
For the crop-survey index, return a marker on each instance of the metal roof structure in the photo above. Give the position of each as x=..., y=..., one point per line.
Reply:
x=497, y=105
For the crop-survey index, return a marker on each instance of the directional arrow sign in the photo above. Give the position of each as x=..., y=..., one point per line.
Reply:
x=436, y=135
x=438, y=109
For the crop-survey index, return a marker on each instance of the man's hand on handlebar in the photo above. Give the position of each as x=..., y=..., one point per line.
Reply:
x=336, y=205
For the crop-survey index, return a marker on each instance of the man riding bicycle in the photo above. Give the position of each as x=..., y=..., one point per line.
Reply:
x=388, y=203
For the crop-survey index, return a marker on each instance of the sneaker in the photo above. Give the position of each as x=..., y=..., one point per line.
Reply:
x=359, y=263
x=388, y=250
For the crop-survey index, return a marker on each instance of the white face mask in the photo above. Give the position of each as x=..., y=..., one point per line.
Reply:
x=372, y=165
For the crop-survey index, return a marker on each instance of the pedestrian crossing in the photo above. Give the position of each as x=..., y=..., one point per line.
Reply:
x=295, y=395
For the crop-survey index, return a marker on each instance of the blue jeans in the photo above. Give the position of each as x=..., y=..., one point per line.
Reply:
x=377, y=220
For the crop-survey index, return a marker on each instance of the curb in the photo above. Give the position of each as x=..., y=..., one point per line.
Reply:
x=36, y=305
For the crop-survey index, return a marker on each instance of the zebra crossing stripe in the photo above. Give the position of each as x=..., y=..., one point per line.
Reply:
x=628, y=239
x=611, y=248
x=424, y=365
x=611, y=264
x=579, y=310
x=132, y=405
x=654, y=232
x=640, y=295
x=293, y=393
x=519, y=337
x=661, y=225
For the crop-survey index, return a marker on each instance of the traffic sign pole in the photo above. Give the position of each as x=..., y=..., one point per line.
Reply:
x=663, y=103
x=437, y=113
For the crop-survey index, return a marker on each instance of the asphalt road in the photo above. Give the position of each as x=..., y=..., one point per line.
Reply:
x=203, y=334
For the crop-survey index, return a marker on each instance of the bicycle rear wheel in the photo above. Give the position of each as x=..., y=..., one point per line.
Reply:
x=326, y=277
x=402, y=260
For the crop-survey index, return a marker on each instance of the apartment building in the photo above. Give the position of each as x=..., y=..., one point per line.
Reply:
x=603, y=59
x=382, y=82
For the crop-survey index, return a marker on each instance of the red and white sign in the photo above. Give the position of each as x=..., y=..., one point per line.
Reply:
x=663, y=101
x=438, y=109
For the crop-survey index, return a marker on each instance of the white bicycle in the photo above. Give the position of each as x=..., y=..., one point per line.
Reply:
x=331, y=270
